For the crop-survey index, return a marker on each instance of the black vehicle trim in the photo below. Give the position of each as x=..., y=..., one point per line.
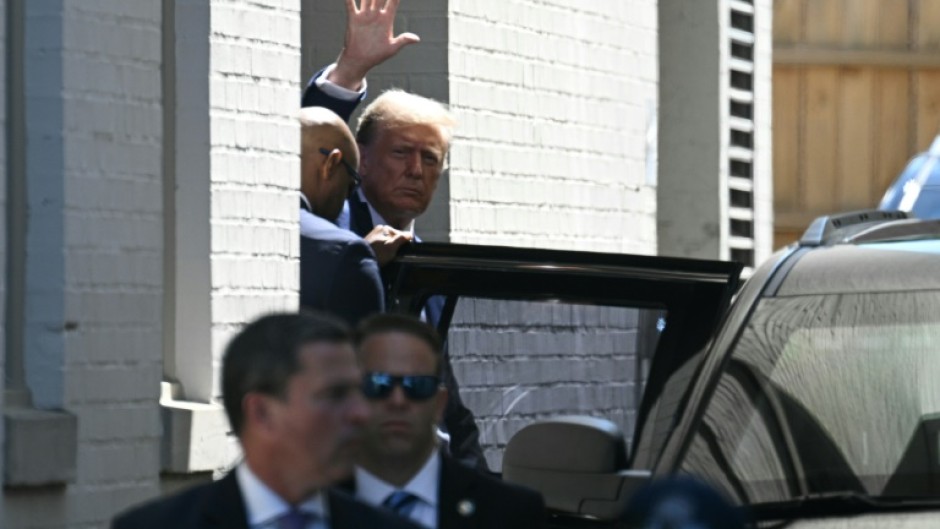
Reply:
x=696, y=293
x=706, y=381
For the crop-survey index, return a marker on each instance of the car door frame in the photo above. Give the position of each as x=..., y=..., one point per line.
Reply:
x=695, y=294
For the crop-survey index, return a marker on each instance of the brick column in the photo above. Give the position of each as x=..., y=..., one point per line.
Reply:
x=4, y=94
x=232, y=231
x=93, y=248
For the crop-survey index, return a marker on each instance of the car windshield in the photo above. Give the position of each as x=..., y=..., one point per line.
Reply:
x=825, y=394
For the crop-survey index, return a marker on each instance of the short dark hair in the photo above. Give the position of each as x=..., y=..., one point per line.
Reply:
x=263, y=356
x=383, y=323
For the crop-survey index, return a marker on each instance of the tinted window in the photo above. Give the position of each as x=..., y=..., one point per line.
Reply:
x=520, y=361
x=828, y=393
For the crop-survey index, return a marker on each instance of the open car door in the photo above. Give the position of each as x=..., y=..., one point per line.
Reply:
x=537, y=333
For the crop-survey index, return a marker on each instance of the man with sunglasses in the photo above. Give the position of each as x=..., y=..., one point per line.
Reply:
x=291, y=390
x=339, y=271
x=399, y=464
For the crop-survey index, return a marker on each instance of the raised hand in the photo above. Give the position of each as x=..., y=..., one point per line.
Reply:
x=370, y=41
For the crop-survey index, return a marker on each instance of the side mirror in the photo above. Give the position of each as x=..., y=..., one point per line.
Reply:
x=578, y=463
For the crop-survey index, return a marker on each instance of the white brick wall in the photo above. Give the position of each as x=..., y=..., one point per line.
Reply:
x=553, y=102
x=95, y=240
x=255, y=168
x=113, y=248
x=95, y=290
x=3, y=224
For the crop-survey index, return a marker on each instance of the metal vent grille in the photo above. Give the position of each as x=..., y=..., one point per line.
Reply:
x=741, y=133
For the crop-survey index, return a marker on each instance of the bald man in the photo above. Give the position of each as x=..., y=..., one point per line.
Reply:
x=339, y=271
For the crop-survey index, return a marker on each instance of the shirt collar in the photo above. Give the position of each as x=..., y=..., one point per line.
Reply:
x=305, y=203
x=264, y=505
x=373, y=490
x=377, y=218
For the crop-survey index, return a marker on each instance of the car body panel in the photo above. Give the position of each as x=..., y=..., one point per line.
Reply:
x=896, y=282
x=892, y=520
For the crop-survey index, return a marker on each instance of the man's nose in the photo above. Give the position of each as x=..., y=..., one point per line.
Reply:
x=414, y=164
x=397, y=397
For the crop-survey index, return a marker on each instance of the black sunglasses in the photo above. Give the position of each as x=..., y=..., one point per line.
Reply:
x=376, y=386
x=356, y=178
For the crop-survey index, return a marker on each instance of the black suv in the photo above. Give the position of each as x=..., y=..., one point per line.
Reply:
x=813, y=397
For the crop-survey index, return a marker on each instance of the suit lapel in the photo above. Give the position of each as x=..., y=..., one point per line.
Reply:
x=456, y=503
x=360, y=220
x=224, y=507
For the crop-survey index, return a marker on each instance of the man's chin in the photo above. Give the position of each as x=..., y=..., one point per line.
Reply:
x=409, y=208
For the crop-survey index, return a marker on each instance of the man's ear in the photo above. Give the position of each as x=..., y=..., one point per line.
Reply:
x=257, y=412
x=332, y=160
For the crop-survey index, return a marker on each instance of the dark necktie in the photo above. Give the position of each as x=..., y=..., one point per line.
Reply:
x=403, y=503
x=294, y=519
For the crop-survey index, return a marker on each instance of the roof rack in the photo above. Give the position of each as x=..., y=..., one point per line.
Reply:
x=841, y=227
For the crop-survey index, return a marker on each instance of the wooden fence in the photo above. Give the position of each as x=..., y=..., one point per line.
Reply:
x=856, y=93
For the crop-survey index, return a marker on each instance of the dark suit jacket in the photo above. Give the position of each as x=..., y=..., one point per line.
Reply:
x=338, y=271
x=314, y=97
x=494, y=504
x=219, y=505
x=497, y=504
x=458, y=420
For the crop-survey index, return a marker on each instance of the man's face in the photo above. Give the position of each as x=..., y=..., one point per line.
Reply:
x=328, y=195
x=318, y=424
x=400, y=170
x=400, y=427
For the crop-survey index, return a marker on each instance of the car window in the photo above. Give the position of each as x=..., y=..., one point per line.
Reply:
x=827, y=393
x=927, y=205
x=520, y=361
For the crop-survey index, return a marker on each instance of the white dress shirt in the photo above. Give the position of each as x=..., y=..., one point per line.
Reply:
x=377, y=218
x=264, y=507
x=424, y=485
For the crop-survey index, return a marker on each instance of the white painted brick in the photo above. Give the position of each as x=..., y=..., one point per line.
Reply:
x=254, y=58
x=568, y=92
x=107, y=384
x=3, y=206
x=107, y=463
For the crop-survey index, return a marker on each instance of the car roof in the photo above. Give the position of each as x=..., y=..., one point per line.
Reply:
x=869, y=267
x=862, y=251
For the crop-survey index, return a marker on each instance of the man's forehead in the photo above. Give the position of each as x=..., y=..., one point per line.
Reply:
x=322, y=356
x=395, y=342
x=423, y=133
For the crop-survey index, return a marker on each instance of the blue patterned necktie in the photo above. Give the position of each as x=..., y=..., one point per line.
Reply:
x=403, y=503
x=294, y=519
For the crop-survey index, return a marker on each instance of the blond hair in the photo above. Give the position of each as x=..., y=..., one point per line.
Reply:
x=396, y=108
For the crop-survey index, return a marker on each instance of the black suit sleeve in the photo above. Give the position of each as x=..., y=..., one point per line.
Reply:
x=460, y=423
x=356, y=289
x=458, y=419
x=314, y=97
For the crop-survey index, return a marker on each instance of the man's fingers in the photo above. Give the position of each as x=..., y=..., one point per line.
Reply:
x=390, y=6
x=399, y=239
x=403, y=40
x=373, y=4
x=351, y=8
